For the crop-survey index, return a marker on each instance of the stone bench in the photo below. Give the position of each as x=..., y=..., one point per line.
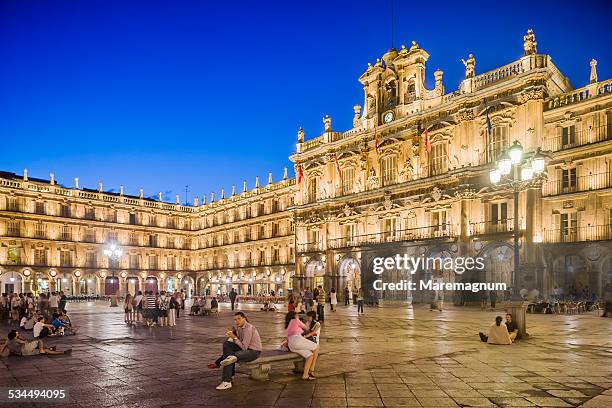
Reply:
x=260, y=368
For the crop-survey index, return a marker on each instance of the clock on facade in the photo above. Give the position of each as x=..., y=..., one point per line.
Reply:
x=388, y=117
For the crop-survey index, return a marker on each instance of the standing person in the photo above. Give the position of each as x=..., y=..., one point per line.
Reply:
x=163, y=304
x=347, y=295
x=243, y=344
x=53, y=303
x=62, y=300
x=608, y=299
x=360, y=301
x=30, y=304
x=333, y=299
x=297, y=343
x=483, y=299
x=127, y=308
x=172, y=311
x=137, y=303
x=493, y=298
x=15, y=309
x=180, y=303
x=321, y=295
x=148, y=311
x=22, y=305
x=233, y=295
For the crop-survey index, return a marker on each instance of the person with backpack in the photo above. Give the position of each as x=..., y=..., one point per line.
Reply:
x=163, y=305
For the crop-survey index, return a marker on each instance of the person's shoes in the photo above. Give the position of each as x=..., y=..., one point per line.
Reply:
x=212, y=366
x=229, y=360
x=224, y=385
x=68, y=352
x=483, y=338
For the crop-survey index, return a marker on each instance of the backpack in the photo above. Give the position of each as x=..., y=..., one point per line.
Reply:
x=163, y=303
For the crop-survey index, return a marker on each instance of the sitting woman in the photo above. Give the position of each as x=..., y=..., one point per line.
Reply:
x=298, y=344
x=214, y=305
x=512, y=329
x=498, y=333
x=207, y=305
x=313, y=328
x=291, y=306
x=195, y=307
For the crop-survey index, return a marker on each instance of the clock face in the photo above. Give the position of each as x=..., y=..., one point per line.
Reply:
x=388, y=117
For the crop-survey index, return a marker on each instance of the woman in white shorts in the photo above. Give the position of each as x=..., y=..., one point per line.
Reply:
x=297, y=343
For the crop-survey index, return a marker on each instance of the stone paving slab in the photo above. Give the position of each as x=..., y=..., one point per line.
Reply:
x=391, y=356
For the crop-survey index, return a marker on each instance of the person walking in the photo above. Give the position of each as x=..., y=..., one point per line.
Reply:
x=233, y=295
x=360, y=301
x=333, y=299
x=242, y=345
x=127, y=308
x=347, y=295
x=163, y=304
x=493, y=298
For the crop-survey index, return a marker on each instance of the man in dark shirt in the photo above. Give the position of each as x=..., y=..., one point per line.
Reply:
x=233, y=295
x=512, y=329
x=62, y=302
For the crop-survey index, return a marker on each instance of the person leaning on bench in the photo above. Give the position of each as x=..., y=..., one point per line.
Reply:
x=243, y=345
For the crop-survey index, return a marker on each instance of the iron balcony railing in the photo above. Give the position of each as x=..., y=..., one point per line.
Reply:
x=492, y=227
x=411, y=234
x=589, y=182
x=578, y=234
x=580, y=137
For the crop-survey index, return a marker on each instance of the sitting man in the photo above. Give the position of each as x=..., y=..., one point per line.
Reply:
x=195, y=307
x=512, y=329
x=243, y=345
x=498, y=333
x=61, y=327
x=41, y=329
x=18, y=346
x=28, y=321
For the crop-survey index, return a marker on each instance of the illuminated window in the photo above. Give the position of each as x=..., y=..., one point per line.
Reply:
x=388, y=170
x=438, y=162
x=498, y=143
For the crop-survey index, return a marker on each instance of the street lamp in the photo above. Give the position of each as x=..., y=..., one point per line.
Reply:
x=113, y=252
x=519, y=173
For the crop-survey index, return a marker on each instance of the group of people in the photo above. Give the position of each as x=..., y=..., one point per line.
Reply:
x=159, y=309
x=14, y=306
x=204, y=305
x=243, y=344
x=44, y=315
x=500, y=333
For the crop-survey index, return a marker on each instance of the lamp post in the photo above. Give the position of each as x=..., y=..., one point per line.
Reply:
x=113, y=252
x=519, y=173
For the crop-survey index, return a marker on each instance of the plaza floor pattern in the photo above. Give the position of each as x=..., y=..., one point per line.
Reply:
x=391, y=356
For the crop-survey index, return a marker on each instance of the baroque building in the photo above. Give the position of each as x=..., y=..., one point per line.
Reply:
x=411, y=177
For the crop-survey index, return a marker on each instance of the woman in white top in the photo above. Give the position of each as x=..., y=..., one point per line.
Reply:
x=333, y=299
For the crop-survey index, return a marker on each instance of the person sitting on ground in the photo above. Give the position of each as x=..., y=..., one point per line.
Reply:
x=214, y=304
x=498, y=333
x=18, y=346
x=512, y=328
x=28, y=321
x=291, y=306
x=243, y=344
x=297, y=343
x=61, y=327
x=41, y=329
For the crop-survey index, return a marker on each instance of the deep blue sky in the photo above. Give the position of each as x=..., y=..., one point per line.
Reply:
x=160, y=94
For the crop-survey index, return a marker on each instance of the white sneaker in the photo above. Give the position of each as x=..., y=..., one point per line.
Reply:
x=224, y=386
x=229, y=360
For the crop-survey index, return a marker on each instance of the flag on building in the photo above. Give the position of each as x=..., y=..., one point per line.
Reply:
x=489, y=126
x=338, y=167
x=300, y=174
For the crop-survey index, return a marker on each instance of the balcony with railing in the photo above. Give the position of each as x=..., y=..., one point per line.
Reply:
x=492, y=227
x=578, y=234
x=590, y=182
x=582, y=137
x=443, y=231
x=497, y=75
x=311, y=247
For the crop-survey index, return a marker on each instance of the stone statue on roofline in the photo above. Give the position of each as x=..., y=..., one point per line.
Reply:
x=470, y=66
x=529, y=43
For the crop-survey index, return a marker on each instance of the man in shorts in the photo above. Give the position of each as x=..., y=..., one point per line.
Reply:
x=19, y=346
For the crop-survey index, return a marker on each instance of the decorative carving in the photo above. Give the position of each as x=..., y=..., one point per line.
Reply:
x=388, y=203
x=407, y=172
x=373, y=180
x=436, y=194
x=593, y=76
x=529, y=43
x=300, y=135
x=357, y=115
x=371, y=106
x=464, y=115
x=470, y=66
x=568, y=204
x=532, y=94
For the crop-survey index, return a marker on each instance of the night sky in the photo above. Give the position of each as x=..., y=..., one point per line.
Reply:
x=163, y=94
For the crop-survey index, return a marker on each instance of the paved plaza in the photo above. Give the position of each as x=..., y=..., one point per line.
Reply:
x=391, y=356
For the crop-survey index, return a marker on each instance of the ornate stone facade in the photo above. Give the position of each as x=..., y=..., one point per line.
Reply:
x=374, y=190
x=390, y=195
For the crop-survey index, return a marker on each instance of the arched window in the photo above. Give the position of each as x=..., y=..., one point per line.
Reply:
x=348, y=181
x=410, y=95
